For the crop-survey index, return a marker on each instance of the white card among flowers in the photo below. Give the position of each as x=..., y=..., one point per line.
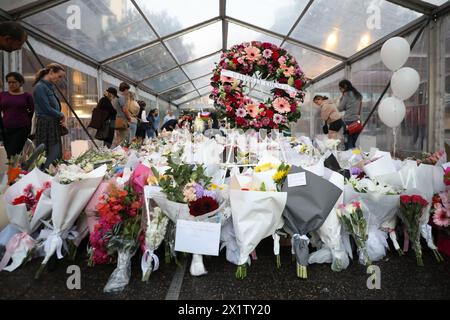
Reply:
x=296, y=179
x=197, y=237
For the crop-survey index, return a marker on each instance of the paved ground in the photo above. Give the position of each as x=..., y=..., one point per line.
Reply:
x=400, y=279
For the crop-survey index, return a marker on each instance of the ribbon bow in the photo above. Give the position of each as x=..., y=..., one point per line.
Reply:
x=17, y=241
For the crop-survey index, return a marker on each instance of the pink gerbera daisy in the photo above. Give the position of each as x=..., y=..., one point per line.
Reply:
x=253, y=110
x=281, y=105
x=441, y=217
x=253, y=53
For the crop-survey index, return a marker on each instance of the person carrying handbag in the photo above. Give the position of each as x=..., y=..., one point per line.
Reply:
x=351, y=103
x=106, y=115
x=123, y=118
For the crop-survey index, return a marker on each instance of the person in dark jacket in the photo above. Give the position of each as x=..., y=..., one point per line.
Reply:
x=142, y=125
x=109, y=112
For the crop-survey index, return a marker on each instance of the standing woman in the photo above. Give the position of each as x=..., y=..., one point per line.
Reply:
x=17, y=108
x=49, y=117
x=133, y=109
x=351, y=103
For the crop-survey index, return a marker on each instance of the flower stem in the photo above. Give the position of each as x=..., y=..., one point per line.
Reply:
x=167, y=254
x=438, y=256
x=241, y=272
x=400, y=252
x=419, y=261
x=302, y=272
x=39, y=272
x=147, y=274
x=278, y=261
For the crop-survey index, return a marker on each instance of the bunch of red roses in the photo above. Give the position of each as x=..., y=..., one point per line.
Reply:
x=411, y=210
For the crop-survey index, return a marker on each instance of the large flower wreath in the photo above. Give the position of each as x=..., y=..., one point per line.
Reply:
x=268, y=62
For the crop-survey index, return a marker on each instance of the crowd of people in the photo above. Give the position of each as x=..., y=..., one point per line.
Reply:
x=119, y=117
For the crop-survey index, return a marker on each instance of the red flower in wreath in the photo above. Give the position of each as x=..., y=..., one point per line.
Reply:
x=267, y=62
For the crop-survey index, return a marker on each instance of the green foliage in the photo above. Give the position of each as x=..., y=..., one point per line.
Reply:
x=178, y=176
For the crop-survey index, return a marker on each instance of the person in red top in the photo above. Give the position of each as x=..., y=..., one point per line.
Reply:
x=17, y=108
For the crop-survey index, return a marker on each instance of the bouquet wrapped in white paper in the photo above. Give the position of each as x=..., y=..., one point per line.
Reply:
x=68, y=202
x=26, y=220
x=256, y=215
x=379, y=203
x=156, y=229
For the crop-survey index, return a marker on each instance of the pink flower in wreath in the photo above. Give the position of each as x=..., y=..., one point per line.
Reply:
x=257, y=124
x=253, y=53
x=253, y=110
x=282, y=60
x=240, y=60
x=278, y=118
x=262, y=62
x=281, y=105
x=265, y=121
x=267, y=53
x=287, y=71
x=226, y=79
x=241, y=113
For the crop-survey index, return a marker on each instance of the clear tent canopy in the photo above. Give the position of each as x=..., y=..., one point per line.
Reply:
x=169, y=48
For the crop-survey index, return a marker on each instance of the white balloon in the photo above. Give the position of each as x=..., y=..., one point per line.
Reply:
x=395, y=52
x=392, y=111
x=405, y=83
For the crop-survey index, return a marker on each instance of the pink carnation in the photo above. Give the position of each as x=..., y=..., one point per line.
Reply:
x=267, y=53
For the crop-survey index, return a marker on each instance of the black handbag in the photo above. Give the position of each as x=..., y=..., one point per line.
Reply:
x=325, y=128
x=64, y=130
x=98, y=118
x=103, y=132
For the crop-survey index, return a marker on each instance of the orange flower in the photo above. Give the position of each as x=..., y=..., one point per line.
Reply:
x=122, y=193
x=253, y=110
x=13, y=174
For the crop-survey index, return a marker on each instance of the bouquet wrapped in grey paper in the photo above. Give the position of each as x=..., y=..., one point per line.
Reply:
x=306, y=210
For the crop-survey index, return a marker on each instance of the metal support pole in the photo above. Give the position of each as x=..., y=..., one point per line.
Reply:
x=435, y=86
x=100, y=88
